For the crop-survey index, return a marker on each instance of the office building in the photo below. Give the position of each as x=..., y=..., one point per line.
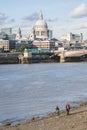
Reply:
x=72, y=38
x=7, y=31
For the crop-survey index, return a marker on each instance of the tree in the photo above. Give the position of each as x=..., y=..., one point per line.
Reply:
x=22, y=47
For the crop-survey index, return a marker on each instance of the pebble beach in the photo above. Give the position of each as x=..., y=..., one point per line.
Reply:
x=77, y=120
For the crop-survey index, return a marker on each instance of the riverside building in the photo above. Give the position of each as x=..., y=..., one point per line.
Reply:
x=7, y=45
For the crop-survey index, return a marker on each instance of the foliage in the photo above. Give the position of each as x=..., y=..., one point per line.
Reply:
x=22, y=47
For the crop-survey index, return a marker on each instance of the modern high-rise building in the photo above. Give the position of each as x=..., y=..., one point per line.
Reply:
x=6, y=34
x=7, y=31
x=72, y=38
x=50, y=34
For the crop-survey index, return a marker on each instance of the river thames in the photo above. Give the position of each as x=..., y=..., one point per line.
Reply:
x=35, y=89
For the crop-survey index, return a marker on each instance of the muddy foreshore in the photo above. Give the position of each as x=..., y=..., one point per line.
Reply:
x=77, y=120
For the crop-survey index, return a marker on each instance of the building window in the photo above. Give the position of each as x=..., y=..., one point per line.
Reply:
x=43, y=33
x=37, y=33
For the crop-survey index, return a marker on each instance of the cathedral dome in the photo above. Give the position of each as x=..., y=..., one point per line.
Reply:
x=41, y=22
x=40, y=30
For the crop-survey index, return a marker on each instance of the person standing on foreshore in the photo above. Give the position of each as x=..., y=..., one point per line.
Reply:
x=67, y=108
x=57, y=111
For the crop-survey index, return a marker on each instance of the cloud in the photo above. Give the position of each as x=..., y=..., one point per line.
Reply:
x=79, y=12
x=3, y=18
x=12, y=20
x=52, y=19
x=32, y=17
x=82, y=26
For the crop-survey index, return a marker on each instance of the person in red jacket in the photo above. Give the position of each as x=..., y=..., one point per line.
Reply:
x=67, y=108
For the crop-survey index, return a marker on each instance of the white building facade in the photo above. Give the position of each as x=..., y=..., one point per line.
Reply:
x=72, y=38
x=41, y=35
x=40, y=30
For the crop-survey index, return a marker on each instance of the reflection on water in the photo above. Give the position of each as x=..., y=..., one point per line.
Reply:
x=36, y=89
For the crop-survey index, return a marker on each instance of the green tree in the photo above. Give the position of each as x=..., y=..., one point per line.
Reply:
x=22, y=47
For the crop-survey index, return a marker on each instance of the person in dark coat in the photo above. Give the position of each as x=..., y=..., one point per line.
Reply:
x=57, y=111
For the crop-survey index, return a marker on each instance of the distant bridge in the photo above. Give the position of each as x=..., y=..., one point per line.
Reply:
x=70, y=53
x=75, y=53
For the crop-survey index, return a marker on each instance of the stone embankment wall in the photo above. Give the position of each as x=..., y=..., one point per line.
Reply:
x=9, y=58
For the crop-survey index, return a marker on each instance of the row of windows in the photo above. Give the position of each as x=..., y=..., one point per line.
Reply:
x=42, y=33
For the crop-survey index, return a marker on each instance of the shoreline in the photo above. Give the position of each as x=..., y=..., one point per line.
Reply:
x=77, y=119
x=42, y=62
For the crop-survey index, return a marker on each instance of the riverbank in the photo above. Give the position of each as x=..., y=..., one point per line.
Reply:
x=17, y=57
x=9, y=58
x=77, y=120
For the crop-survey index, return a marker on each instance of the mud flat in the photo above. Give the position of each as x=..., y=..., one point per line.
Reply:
x=77, y=120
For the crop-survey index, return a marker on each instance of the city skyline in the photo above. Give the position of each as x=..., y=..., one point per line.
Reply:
x=61, y=16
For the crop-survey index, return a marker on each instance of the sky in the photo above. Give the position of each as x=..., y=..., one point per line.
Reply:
x=62, y=16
